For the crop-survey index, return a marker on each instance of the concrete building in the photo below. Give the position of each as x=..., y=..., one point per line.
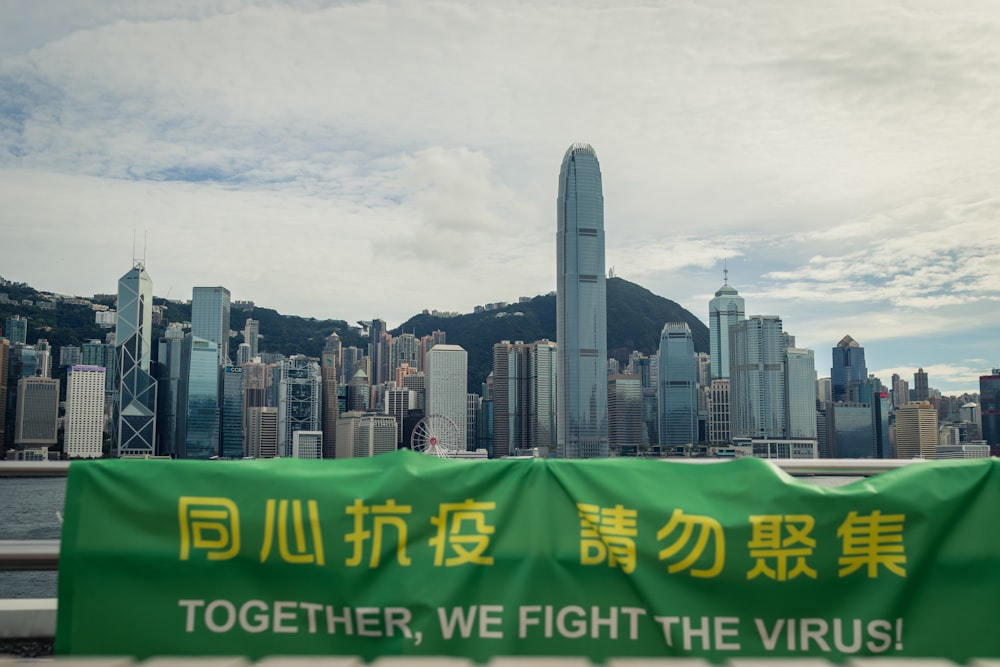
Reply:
x=916, y=430
x=262, y=432
x=447, y=378
x=307, y=445
x=37, y=420
x=361, y=434
x=83, y=426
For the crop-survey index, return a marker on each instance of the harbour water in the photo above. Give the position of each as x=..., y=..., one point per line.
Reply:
x=29, y=510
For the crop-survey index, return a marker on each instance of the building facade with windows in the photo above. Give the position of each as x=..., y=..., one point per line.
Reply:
x=581, y=308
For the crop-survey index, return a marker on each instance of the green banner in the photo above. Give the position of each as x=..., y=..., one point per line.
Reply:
x=410, y=554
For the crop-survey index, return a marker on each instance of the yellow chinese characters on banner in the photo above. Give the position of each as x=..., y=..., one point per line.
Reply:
x=278, y=522
x=462, y=530
x=682, y=527
x=777, y=538
x=607, y=535
x=872, y=541
x=383, y=516
x=209, y=524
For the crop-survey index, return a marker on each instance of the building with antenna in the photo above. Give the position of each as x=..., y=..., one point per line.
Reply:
x=134, y=411
x=724, y=311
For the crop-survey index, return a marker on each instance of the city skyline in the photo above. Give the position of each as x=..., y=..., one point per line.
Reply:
x=840, y=160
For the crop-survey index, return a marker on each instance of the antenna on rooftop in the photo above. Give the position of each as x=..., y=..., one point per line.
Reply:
x=725, y=270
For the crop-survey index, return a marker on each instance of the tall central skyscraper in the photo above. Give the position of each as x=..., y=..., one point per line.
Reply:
x=581, y=308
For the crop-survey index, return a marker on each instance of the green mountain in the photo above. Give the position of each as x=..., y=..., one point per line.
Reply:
x=635, y=319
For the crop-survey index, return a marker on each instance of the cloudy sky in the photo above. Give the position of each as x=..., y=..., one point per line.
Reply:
x=361, y=159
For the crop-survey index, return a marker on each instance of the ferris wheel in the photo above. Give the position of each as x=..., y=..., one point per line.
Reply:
x=435, y=435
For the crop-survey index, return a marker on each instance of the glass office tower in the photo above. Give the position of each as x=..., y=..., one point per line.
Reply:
x=848, y=367
x=134, y=419
x=198, y=409
x=678, y=380
x=725, y=310
x=581, y=310
x=210, y=309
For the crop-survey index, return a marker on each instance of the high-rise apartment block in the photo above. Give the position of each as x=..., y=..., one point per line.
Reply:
x=83, y=425
x=581, y=308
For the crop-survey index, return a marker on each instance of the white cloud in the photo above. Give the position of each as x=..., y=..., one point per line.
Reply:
x=842, y=157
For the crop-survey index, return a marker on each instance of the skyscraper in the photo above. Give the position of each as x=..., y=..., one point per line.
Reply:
x=989, y=401
x=168, y=376
x=198, y=412
x=678, y=394
x=447, y=377
x=921, y=388
x=377, y=351
x=232, y=413
x=300, y=390
x=251, y=336
x=800, y=393
x=210, y=317
x=581, y=308
x=4, y=361
x=329, y=372
x=84, y=421
x=625, y=425
x=916, y=430
x=37, y=418
x=725, y=310
x=757, y=378
x=900, y=391
x=848, y=366
x=134, y=419
x=16, y=330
